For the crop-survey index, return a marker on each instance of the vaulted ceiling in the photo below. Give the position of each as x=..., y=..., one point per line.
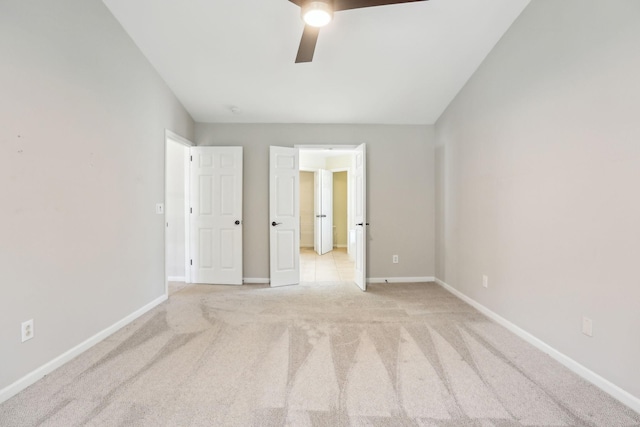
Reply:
x=399, y=64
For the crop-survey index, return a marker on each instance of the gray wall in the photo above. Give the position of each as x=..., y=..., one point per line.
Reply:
x=81, y=168
x=538, y=182
x=400, y=199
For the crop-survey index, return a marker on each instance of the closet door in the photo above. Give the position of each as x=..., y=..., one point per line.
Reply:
x=216, y=215
x=323, y=192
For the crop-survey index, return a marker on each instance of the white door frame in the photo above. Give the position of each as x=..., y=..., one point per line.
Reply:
x=175, y=138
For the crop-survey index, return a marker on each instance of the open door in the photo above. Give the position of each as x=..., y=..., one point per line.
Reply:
x=360, y=216
x=284, y=216
x=215, y=199
x=323, y=233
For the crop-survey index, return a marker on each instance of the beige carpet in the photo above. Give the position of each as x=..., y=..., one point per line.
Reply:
x=314, y=355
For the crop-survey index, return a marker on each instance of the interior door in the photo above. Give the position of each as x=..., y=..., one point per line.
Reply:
x=360, y=216
x=284, y=216
x=324, y=211
x=317, y=212
x=215, y=198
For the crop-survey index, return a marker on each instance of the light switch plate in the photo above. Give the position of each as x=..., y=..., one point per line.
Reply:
x=159, y=208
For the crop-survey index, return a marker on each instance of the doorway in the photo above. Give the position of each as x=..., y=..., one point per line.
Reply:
x=324, y=216
x=284, y=211
x=175, y=210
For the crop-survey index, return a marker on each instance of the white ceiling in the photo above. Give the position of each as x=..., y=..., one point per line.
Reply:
x=399, y=64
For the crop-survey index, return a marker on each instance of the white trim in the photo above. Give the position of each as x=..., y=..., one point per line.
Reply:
x=400, y=279
x=187, y=219
x=605, y=385
x=256, y=280
x=35, y=375
x=176, y=279
x=177, y=138
x=174, y=137
x=341, y=169
x=325, y=147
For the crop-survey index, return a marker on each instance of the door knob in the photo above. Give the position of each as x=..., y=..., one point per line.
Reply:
x=275, y=223
x=361, y=224
x=237, y=222
x=321, y=216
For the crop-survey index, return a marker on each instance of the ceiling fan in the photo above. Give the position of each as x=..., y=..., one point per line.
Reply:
x=318, y=13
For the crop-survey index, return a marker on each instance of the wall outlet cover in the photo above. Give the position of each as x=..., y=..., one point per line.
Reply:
x=27, y=330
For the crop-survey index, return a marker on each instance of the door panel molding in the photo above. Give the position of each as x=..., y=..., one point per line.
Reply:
x=284, y=216
x=360, y=216
x=215, y=215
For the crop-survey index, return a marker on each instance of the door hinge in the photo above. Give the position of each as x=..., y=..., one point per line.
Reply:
x=191, y=158
x=190, y=210
x=191, y=261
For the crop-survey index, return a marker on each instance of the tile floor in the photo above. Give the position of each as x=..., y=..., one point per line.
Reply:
x=334, y=266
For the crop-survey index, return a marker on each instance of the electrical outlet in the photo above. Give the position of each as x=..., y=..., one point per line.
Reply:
x=159, y=208
x=587, y=326
x=27, y=330
x=395, y=259
x=485, y=281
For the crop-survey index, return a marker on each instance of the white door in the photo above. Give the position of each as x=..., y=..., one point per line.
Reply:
x=323, y=241
x=317, y=203
x=284, y=216
x=360, y=216
x=216, y=215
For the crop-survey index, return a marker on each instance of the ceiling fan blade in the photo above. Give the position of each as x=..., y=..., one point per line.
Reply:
x=307, y=44
x=359, y=4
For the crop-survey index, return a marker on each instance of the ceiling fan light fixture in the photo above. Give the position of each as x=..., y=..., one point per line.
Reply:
x=317, y=13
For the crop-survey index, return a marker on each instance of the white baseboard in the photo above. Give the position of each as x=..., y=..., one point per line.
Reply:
x=607, y=386
x=257, y=280
x=250, y=280
x=400, y=279
x=176, y=279
x=35, y=375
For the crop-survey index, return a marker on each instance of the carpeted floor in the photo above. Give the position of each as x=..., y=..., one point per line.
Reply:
x=314, y=355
